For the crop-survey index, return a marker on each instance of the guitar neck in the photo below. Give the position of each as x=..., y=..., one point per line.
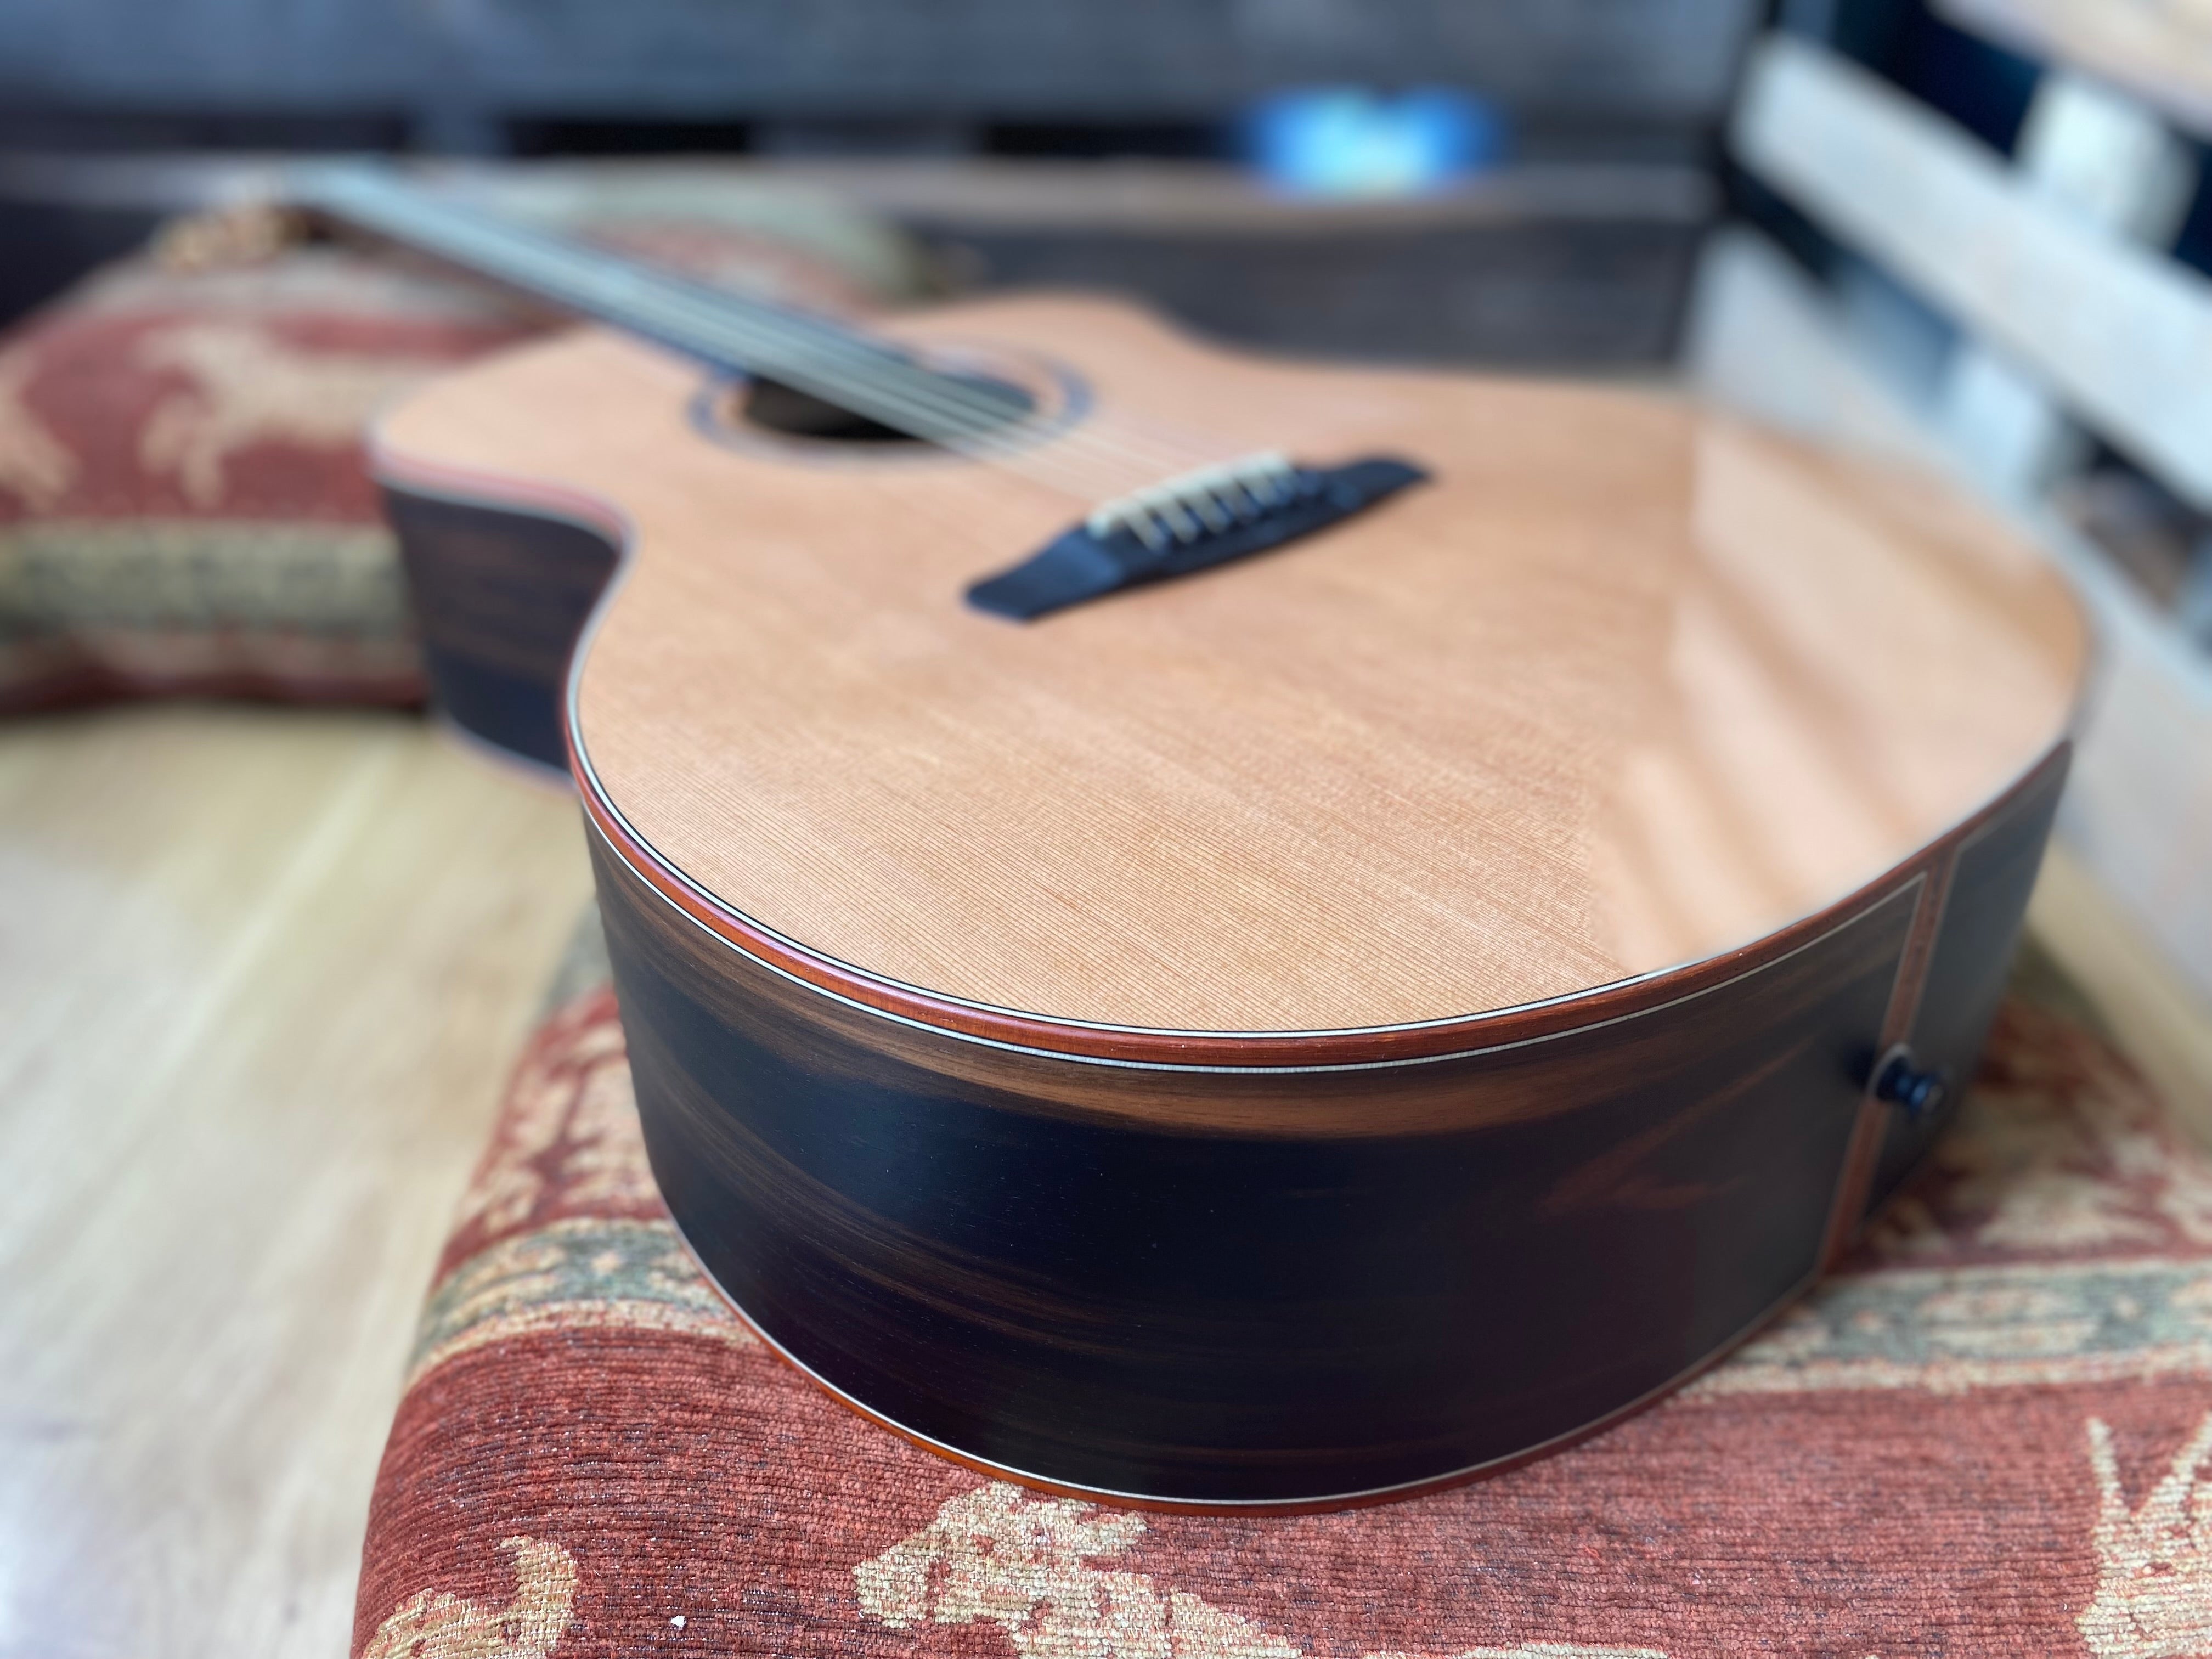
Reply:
x=825, y=359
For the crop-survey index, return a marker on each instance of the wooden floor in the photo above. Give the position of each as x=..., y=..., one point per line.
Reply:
x=2147, y=1008
x=260, y=974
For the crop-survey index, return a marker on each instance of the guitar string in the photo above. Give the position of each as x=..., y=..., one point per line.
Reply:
x=930, y=406
x=1098, y=456
x=929, y=403
x=1083, y=467
x=913, y=393
x=593, y=283
x=910, y=397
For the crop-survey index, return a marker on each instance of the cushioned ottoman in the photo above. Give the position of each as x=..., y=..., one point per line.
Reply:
x=183, y=506
x=1992, y=1433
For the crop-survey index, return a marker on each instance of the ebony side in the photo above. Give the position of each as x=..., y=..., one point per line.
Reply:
x=500, y=599
x=1226, y=1286
x=1981, y=913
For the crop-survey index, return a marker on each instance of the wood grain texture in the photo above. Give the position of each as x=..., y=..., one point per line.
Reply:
x=1626, y=688
x=1224, y=1286
x=499, y=605
x=1980, y=904
x=1243, y=1285
x=261, y=974
x=1765, y=339
x=1349, y=1021
x=2138, y=811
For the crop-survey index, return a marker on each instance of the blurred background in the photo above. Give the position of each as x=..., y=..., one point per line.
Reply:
x=1572, y=152
x=261, y=971
x=1519, y=185
x=1568, y=150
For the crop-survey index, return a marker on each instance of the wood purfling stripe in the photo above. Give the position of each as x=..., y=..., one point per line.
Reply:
x=1864, y=1154
x=1291, y=1051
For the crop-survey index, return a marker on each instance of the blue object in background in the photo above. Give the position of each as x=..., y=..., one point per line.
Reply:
x=1342, y=141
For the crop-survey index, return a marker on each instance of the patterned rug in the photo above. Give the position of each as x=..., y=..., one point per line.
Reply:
x=1990, y=1433
x=184, y=507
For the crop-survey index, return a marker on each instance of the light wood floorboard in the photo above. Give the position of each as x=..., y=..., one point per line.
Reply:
x=260, y=974
x=2152, y=1011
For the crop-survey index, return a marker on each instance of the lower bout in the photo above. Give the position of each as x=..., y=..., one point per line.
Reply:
x=1019, y=1261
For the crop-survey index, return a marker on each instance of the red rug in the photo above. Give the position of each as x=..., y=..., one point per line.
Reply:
x=1990, y=1434
x=184, y=505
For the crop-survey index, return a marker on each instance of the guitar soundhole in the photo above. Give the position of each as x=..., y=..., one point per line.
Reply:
x=771, y=406
x=1002, y=396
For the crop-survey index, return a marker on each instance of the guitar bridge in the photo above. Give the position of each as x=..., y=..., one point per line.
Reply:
x=1189, y=523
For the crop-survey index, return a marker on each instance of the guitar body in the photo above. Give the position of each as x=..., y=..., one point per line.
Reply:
x=1349, y=1019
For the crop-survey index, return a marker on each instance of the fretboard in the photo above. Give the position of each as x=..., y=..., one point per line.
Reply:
x=826, y=359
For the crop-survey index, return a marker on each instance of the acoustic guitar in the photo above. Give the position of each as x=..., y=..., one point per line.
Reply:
x=1208, y=931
